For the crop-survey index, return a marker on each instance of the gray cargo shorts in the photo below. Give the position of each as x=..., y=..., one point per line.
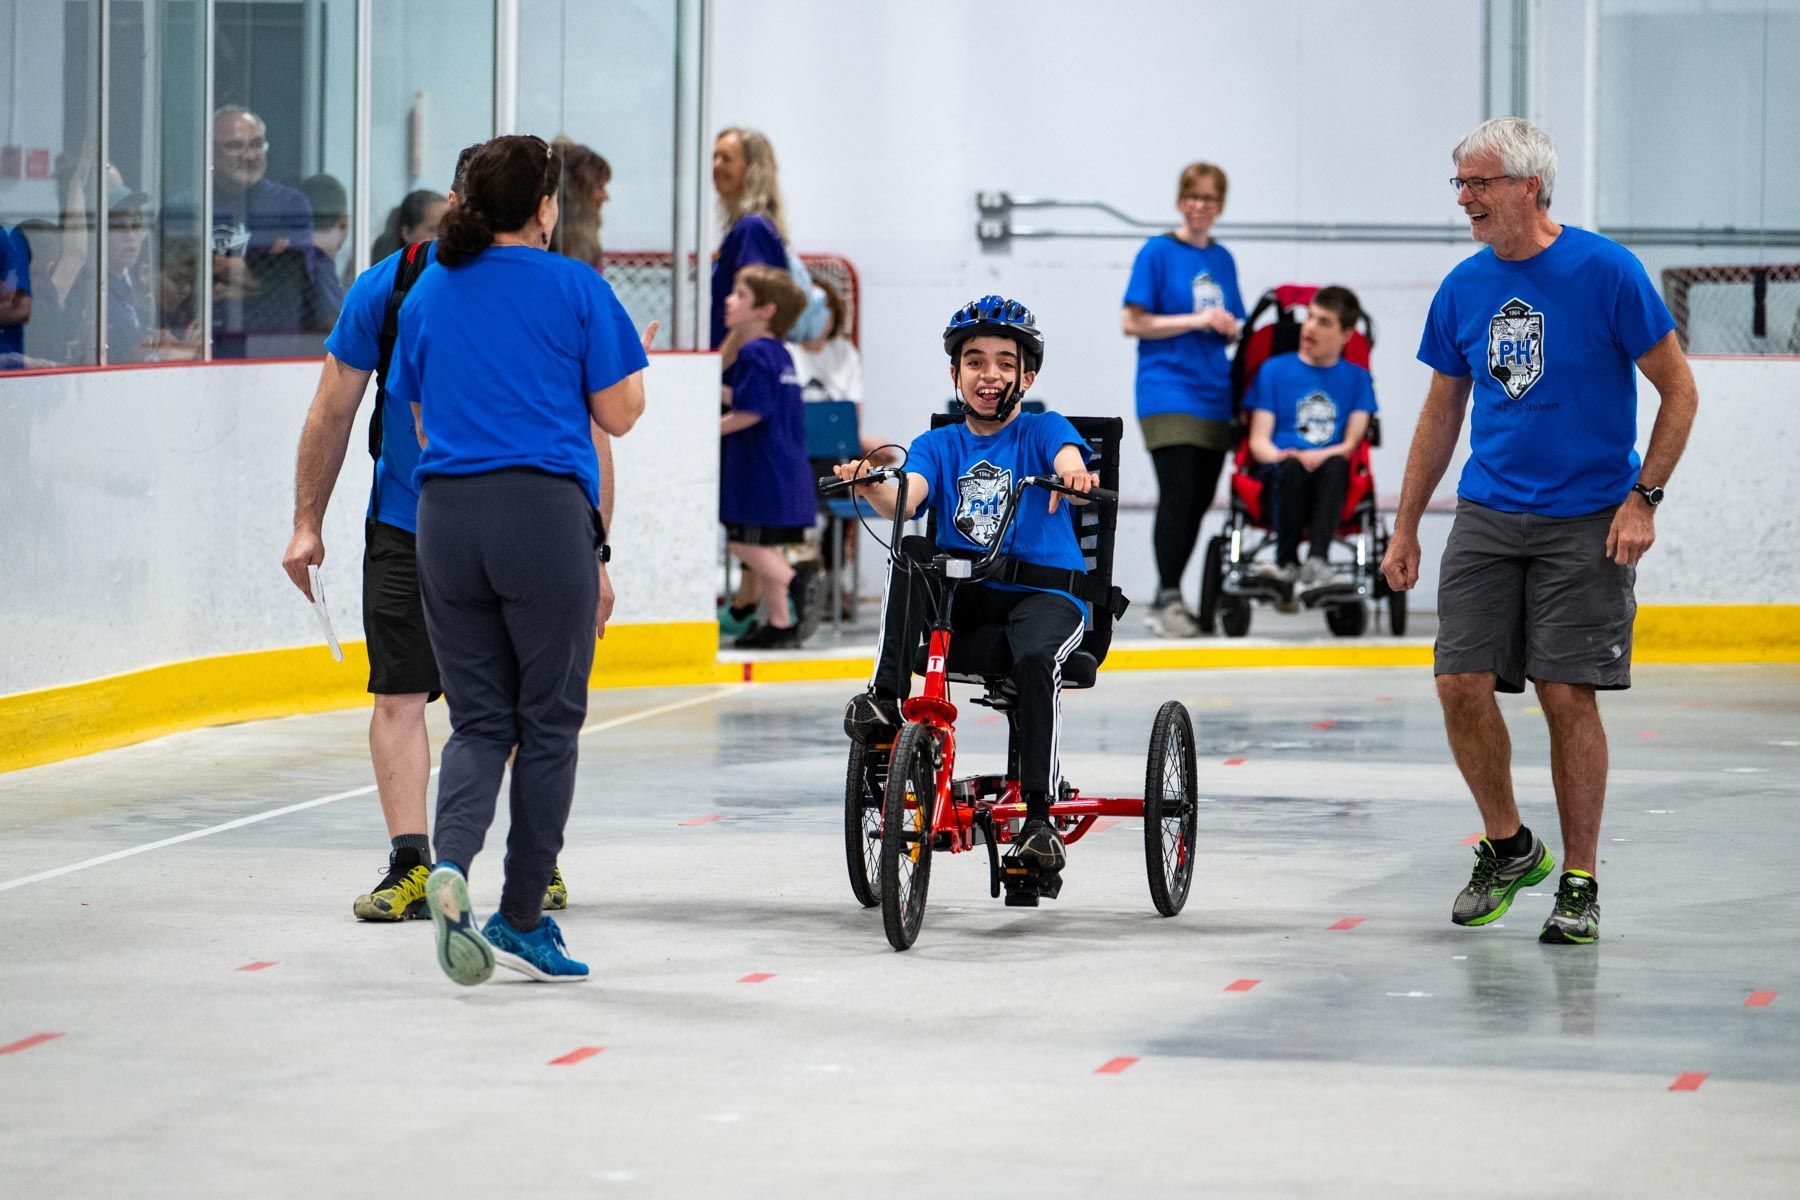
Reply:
x=1533, y=597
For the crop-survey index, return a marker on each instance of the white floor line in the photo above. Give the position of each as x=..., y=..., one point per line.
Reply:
x=599, y=727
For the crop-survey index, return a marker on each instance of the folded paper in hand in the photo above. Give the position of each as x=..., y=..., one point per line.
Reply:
x=318, y=591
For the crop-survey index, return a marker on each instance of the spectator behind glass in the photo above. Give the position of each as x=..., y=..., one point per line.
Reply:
x=414, y=219
x=330, y=205
x=129, y=334
x=584, y=181
x=59, y=254
x=15, y=297
x=262, y=248
x=750, y=208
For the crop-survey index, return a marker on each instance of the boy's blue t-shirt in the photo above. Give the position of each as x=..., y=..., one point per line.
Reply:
x=1312, y=405
x=1188, y=373
x=15, y=276
x=355, y=341
x=1551, y=342
x=501, y=354
x=971, y=480
x=752, y=240
x=764, y=475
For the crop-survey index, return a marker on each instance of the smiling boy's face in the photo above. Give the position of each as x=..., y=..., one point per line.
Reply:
x=985, y=366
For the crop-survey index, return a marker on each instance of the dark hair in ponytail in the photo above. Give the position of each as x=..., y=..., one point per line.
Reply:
x=499, y=192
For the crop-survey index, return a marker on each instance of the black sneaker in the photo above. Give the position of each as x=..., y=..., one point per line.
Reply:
x=767, y=637
x=872, y=719
x=1575, y=921
x=809, y=595
x=1039, y=841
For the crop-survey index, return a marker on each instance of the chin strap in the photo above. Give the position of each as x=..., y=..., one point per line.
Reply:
x=1009, y=400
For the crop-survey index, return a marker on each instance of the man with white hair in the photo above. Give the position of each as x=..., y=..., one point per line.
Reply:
x=262, y=249
x=1554, y=508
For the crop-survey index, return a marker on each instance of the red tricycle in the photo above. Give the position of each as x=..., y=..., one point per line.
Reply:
x=903, y=800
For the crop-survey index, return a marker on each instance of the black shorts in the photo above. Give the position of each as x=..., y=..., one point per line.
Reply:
x=767, y=535
x=400, y=659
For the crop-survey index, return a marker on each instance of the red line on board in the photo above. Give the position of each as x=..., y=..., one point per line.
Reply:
x=1242, y=985
x=1348, y=923
x=1471, y=839
x=36, y=1039
x=748, y=672
x=255, y=966
x=1688, y=1081
x=1234, y=762
x=1325, y=724
x=575, y=1056
x=1114, y=1066
x=757, y=977
x=708, y=819
x=1759, y=1000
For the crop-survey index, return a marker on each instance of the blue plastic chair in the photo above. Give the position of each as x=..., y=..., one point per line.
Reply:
x=831, y=432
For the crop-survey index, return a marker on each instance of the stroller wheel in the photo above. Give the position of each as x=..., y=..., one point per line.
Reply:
x=1347, y=620
x=1234, y=615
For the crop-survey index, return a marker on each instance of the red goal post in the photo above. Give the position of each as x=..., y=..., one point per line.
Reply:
x=645, y=283
x=1727, y=309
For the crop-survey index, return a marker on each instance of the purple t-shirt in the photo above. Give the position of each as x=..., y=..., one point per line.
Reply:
x=764, y=475
x=752, y=240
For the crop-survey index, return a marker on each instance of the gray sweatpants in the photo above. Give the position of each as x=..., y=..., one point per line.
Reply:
x=508, y=572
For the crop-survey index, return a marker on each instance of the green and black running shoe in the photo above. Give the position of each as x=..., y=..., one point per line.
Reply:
x=1575, y=921
x=1497, y=880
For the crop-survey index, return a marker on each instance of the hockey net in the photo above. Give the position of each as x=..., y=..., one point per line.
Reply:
x=644, y=281
x=1751, y=310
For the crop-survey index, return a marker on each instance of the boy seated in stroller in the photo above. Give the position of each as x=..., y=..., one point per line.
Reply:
x=1308, y=412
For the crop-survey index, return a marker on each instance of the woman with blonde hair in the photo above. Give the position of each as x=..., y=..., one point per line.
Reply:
x=746, y=178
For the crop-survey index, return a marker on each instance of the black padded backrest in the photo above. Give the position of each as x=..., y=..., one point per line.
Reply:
x=1096, y=525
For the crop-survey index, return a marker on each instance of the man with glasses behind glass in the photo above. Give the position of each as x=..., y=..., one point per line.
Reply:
x=262, y=248
x=1554, y=508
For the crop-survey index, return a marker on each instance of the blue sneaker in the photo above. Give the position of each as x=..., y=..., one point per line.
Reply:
x=462, y=952
x=539, y=955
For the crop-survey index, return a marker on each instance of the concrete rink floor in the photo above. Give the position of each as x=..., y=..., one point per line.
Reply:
x=1400, y=1057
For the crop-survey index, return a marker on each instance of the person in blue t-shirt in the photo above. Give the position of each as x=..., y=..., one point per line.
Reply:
x=1183, y=306
x=15, y=296
x=745, y=176
x=1308, y=413
x=766, y=498
x=507, y=354
x=964, y=474
x=1554, y=508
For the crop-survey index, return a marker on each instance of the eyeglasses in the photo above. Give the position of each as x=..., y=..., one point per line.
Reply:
x=239, y=146
x=1191, y=198
x=1477, y=186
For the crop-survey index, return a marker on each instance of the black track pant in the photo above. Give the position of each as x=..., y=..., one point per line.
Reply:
x=1186, y=478
x=1308, y=500
x=507, y=567
x=1042, y=628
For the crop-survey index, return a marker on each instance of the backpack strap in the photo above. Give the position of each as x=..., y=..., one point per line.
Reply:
x=412, y=264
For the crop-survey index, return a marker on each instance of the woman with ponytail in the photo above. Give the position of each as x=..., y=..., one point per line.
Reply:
x=505, y=352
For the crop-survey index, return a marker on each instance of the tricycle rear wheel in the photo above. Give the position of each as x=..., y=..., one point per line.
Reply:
x=1171, y=808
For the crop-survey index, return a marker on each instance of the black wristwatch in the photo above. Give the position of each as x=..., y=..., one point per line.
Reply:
x=604, y=554
x=1653, y=496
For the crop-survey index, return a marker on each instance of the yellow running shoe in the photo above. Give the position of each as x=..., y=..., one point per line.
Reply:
x=556, y=896
x=400, y=896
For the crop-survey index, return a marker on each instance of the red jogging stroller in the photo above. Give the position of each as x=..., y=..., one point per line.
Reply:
x=1229, y=583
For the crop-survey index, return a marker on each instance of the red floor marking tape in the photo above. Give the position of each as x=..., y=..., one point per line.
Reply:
x=991, y=718
x=1234, y=762
x=757, y=977
x=255, y=966
x=1114, y=1066
x=1348, y=923
x=575, y=1056
x=1384, y=699
x=1471, y=839
x=1242, y=985
x=1688, y=1081
x=36, y=1039
x=1650, y=735
x=706, y=820
x=1759, y=1000
x=1324, y=724
x=1103, y=824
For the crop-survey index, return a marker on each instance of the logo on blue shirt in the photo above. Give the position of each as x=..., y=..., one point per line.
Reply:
x=1315, y=418
x=1516, y=347
x=981, y=498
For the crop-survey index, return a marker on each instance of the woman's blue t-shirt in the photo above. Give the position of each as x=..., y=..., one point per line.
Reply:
x=1312, y=405
x=1188, y=373
x=765, y=477
x=752, y=240
x=1551, y=341
x=355, y=341
x=501, y=354
x=971, y=480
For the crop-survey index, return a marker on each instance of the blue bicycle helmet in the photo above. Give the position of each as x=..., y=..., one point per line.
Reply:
x=1003, y=318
